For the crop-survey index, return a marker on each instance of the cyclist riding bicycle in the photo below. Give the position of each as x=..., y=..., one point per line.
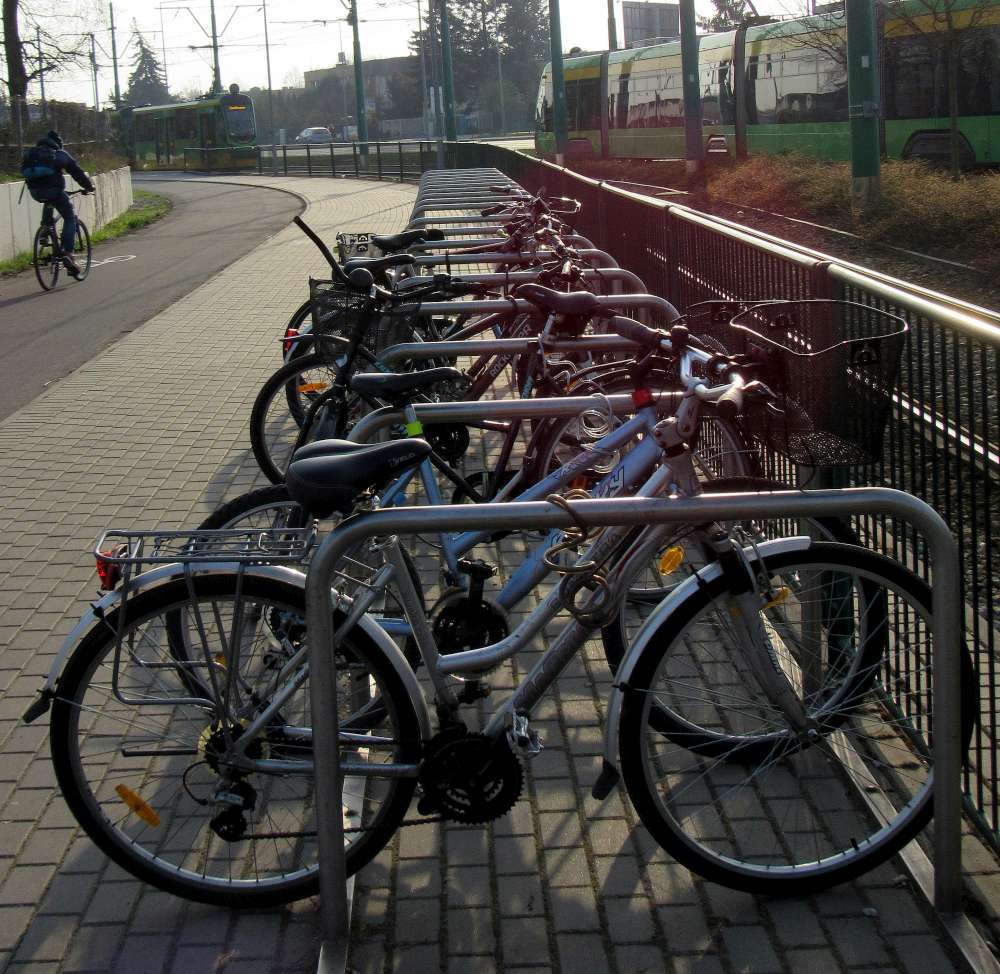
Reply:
x=42, y=167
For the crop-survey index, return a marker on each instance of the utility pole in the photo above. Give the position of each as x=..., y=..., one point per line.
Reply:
x=359, y=80
x=163, y=49
x=435, y=66
x=423, y=66
x=114, y=56
x=503, y=113
x=41, y=70
x=451, y=129
x=560, y=122
x=612, y=27
x=863, y=95
x=270, y=90
x=694, y=150
x=216, y=72
x=93, y=68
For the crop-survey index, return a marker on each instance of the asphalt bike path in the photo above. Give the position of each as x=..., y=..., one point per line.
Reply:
x=46, y=335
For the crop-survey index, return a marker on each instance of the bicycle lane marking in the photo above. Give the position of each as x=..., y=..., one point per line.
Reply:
x=111, y=260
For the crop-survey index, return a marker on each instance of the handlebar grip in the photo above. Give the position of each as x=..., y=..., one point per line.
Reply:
x=730, y=404
x=636, y=331
x=434, y=234
x=493, y=210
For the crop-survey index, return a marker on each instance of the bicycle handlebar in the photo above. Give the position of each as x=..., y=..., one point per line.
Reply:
x=338, y=271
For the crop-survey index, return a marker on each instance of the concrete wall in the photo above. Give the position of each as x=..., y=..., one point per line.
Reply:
x=20, y=214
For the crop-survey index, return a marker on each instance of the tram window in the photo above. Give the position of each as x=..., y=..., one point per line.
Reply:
x=145, y=128
x=186, y=123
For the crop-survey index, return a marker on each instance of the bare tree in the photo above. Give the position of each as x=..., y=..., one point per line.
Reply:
x=36, y=42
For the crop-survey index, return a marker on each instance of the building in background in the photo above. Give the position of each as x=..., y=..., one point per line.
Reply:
x=650, y=23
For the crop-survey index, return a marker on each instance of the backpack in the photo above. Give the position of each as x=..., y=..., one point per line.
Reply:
x=38, y=163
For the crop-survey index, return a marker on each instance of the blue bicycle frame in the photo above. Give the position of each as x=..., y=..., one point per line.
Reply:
x=631, y=471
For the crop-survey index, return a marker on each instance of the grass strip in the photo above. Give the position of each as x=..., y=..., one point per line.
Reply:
x=146, y=208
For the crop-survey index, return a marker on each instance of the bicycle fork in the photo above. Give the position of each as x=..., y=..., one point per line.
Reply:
x=746, y=605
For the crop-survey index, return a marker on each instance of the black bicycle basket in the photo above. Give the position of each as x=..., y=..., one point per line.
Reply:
x=832, y=366
x=337, y=312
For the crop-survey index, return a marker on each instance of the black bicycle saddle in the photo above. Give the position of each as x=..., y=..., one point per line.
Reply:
x=392, y=242
x=329, y=482
x=574, y=304
x=397, y=388
x=377, y=264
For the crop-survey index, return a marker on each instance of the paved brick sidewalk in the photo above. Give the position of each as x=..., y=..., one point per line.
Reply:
x=153, y=432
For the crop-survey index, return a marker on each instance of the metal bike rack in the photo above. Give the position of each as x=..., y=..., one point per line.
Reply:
x=573, y=239
x=946, y=629
x=431, y=413
x=413, y=351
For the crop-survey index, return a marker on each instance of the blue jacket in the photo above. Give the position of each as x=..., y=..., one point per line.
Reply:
x=51, y=185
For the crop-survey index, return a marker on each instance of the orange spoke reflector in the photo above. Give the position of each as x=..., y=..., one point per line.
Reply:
x=138, y=806
x=671, y=560
x=780, y=596
x=313, y=386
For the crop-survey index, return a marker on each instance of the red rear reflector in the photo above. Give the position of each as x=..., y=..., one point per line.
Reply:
x=109, y=572
x=642, y=397
x=290, y=337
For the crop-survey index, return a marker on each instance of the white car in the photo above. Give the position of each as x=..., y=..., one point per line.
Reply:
x=315, y=134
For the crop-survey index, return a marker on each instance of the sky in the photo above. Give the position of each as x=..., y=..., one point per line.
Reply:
x=303, y=34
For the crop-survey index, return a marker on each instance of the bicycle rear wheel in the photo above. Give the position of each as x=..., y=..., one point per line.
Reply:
x=146, y=776
x=730, y=791
x=43, y=257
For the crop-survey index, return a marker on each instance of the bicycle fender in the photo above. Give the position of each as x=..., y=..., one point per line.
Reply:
x=164, y=574
x=685, y=590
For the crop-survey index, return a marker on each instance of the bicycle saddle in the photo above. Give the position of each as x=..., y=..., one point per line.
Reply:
x=392, y=242
x=331, y=482
x=396, y=388
x=574, y=304
x=377, y=264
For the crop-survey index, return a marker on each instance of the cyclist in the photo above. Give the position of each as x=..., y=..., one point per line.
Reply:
x=42, y=167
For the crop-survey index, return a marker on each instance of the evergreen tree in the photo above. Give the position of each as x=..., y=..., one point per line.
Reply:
x=145, y=84
x=728, y=15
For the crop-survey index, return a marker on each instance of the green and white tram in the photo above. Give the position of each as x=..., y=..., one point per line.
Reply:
x=783, y=86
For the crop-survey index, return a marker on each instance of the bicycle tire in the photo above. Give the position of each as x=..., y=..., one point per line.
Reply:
x=274, y=430
x=82, y=250
x=46, y=265
x=180, y=857
x=269, y=507
x=790, y=823
x=616, y=635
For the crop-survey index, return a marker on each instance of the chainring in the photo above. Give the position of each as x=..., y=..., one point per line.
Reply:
x=449, y=440
x=469, y=778
x=460, y=622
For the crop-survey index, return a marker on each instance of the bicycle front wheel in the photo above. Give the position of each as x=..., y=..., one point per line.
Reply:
x=146, y=770
x=283, y=403
x=43, y=256
x=729, y=789
x=82, y=250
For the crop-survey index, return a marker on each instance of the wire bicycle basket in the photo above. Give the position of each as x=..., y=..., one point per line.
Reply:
x=338, y=311
x=833, y=368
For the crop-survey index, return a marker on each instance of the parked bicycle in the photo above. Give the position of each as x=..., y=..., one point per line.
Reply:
x=759, y=721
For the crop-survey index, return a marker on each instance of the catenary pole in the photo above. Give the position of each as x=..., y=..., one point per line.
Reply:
x=451, y=129
x=216, y=72
x=612, y=27
x=863, y=95
x=359, y=80
x=270, y=87
x=560, y=121
x=163, y=49
x=114, y=56
x=423, y=66
x=694, y=149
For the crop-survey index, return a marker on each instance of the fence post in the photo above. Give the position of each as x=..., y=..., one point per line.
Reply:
x=260, y=163
x=354, y=152
x=309, y=161
x=333, y=161
x=378, y=160
x=284, y=157
x=399, y=147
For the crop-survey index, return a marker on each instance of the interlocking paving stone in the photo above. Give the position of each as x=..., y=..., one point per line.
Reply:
x=152, y=432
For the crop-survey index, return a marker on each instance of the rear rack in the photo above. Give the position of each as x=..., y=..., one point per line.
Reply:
x=247, y=547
